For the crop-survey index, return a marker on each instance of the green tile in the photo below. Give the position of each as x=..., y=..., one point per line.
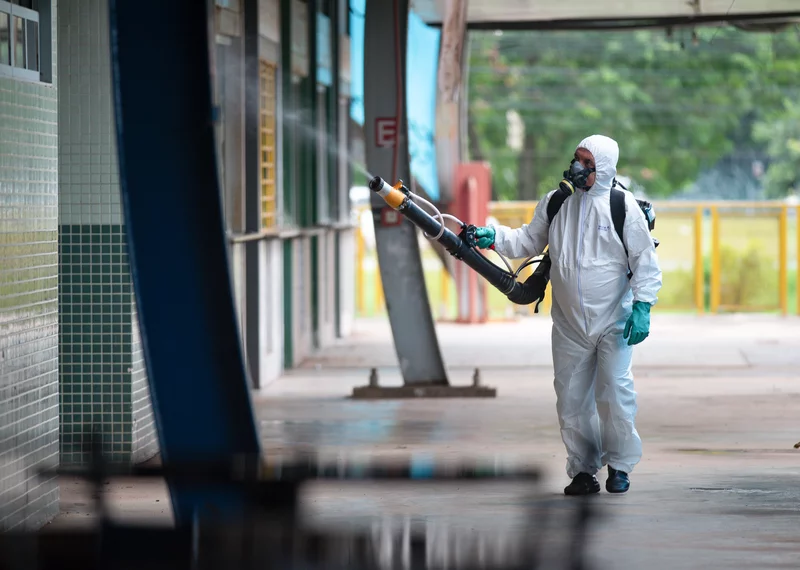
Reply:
x=96, y=315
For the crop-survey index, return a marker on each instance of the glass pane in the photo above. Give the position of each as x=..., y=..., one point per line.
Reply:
x=322, y=157
x=32, y=4
x=32, y=41
x=19, y=42
x=5, y=39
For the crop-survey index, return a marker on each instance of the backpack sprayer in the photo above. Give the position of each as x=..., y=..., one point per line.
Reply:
x=464, y=246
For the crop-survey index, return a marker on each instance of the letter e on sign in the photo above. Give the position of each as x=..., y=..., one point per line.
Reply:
x=385, y=131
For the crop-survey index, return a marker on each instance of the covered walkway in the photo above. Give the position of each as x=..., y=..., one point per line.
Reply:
x=717, y=487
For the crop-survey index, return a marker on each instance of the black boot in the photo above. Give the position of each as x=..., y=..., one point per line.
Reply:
x=617, y=481
x=582, y=484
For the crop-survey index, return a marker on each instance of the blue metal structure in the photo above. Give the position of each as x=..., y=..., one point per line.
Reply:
x=175, y=229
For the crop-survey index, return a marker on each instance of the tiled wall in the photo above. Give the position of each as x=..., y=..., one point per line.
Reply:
x=28, y=302
x=96, y=341
x=105, y=396
x=145, y=442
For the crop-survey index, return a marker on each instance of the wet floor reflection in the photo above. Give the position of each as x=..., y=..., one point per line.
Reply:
x=304, y=433
x=354, y=424
x=498, y=525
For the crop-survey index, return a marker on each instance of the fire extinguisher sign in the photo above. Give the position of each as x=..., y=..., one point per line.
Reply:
x=390, y=217
x=385, y=131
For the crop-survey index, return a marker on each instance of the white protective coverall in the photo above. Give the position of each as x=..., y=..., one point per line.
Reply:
x=592, y=300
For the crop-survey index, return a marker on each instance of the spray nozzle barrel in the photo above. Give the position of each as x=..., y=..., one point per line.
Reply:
x=392, y=195
x=376, y=184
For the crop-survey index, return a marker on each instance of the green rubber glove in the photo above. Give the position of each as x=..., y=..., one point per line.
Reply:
x=485, y=237
x=638, y=326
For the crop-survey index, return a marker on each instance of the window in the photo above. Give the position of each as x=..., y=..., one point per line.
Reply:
x=323, y=155
x=267, y=145
x=21, y=46
x=5, y=38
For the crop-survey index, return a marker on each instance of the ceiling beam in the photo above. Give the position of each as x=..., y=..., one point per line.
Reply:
x=611, y=24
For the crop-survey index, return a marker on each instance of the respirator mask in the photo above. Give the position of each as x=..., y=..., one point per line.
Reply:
x=577, y=175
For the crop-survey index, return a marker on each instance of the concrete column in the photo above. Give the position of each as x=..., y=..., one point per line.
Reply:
x=102, y=377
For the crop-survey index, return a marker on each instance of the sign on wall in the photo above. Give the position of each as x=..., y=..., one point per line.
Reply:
x=385, y=131
x=390, y=217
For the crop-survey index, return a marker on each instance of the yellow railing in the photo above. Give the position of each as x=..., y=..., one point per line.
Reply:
x=716, y=257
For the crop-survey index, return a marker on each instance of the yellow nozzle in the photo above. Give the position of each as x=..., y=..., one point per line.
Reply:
x=395, y=198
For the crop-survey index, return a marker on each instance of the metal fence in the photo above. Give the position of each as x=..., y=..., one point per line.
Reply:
x=715, y=256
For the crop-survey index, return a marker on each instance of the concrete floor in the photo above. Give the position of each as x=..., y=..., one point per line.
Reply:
x=718, y=400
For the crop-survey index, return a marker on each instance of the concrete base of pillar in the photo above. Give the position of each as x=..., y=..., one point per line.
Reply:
x=430, y=391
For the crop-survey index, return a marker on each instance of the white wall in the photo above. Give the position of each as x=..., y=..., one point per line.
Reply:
x=327, y=287
x=301, y=298
x=271, y=297
x=270, y=309
x=347, y=280
x=236, y=260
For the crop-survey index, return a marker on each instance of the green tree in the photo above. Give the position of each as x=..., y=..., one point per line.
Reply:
x=781, y=134
x=676, y=105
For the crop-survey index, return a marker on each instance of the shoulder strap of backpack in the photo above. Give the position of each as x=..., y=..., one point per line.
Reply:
x=554, y=205
x=618, y=213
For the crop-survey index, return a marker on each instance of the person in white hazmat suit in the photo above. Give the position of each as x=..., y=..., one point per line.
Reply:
x=598, y=314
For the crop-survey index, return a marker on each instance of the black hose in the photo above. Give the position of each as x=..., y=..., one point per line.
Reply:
x=530, y=291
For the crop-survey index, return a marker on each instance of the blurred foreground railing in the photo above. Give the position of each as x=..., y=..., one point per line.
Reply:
x=716, y=257
x=279, y=530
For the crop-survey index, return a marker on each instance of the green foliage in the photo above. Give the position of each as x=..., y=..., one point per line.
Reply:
x=675, y=109
x=748, y=278
x=677, y=289
x=781, y=134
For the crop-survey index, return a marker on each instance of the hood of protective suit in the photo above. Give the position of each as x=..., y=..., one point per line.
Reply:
x=606, y=155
